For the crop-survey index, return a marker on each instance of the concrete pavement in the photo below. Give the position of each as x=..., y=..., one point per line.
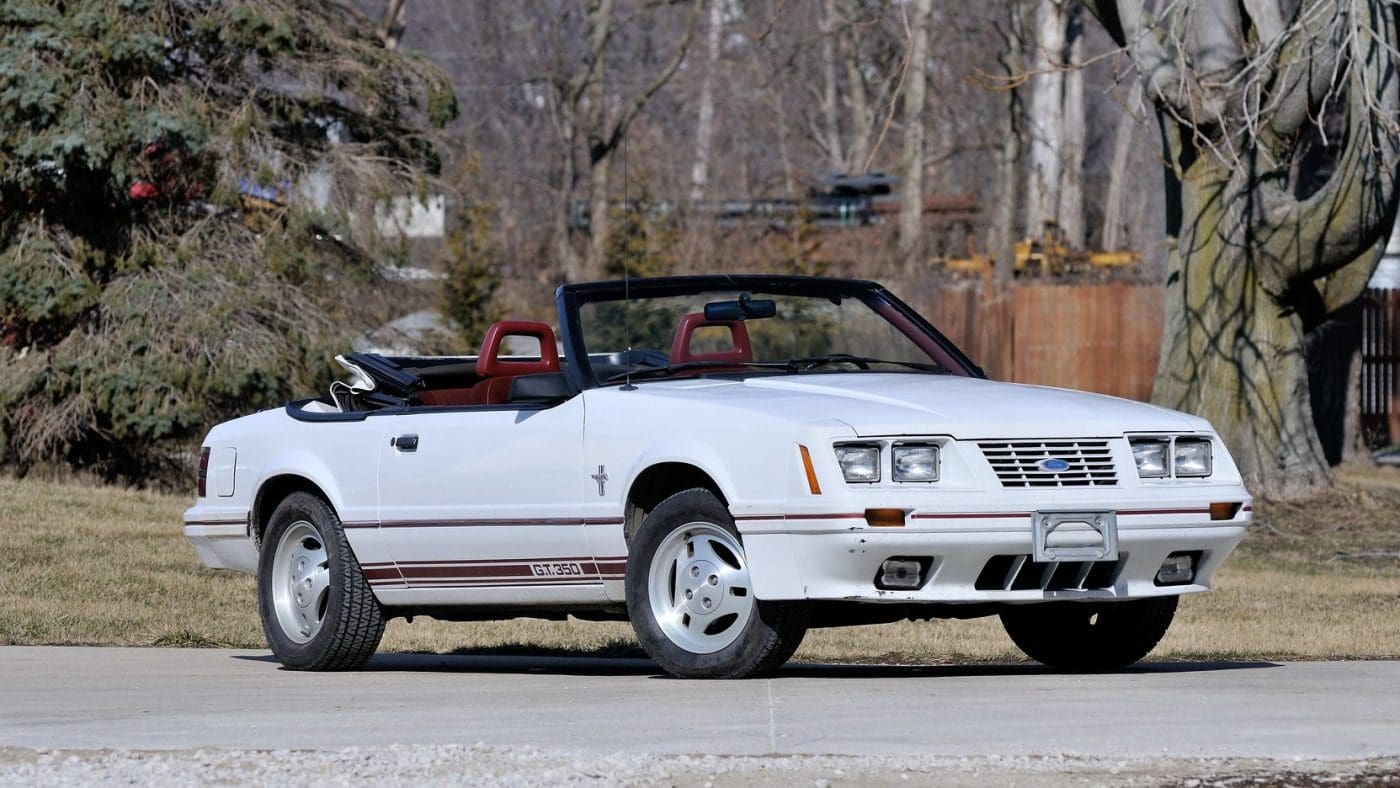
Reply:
x=187, y=698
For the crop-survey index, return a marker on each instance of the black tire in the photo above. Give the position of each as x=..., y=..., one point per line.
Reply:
x=351, y=622
x=773, y=630
x=1089, y=635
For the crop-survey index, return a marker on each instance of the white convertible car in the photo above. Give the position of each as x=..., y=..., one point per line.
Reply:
x=726, y=461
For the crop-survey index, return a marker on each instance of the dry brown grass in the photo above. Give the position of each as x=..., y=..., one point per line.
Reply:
x=99, y=565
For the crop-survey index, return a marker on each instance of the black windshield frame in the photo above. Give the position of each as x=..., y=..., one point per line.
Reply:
x=570, y=298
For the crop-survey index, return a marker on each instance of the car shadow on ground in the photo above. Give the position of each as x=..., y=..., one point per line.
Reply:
x=821, y=670
x=585, y=664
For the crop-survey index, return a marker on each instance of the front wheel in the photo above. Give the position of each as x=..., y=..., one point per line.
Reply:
x=317, y=610
x=691, y=600
x=1089, y=635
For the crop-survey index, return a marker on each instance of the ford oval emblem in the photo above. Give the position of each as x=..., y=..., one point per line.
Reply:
x=1054, y=464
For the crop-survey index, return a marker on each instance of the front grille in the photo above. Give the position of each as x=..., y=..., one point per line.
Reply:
x=1019, y=573
x=1017, y=463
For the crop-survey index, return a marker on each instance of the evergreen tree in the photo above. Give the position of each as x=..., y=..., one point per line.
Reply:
x=184, y=193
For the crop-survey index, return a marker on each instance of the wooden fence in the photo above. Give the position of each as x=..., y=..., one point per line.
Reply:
x=1106, y=338
x=1101, y=338
x=1380, y=367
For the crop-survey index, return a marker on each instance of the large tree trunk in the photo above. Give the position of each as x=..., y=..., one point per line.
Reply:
x=1046, y=131
x=784, y=149
x=1056, y=123
x=831, y=118
x=599, y=211
x=599, y=162
x=911, y=201
x=1237, y=327
x=1229, y=353
x=1115, y=198
x=1277, y=218
x=1003, y=241
x=705, y=121
x=567, y=257
x=858, y=155
x=1071, y=205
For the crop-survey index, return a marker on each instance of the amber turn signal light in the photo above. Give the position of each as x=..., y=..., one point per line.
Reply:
x=1225, y=510
x=812, y=485
x=885, y=518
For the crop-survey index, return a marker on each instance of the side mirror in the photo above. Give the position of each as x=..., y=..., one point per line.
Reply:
x=542, y=387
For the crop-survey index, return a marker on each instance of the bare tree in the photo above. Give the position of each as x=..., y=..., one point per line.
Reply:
x=1071, y=208
x=1115, y=200
x=1281, y=139
x=858, y=153
x=605, y=130
x=911, y=201
x=390, y=26
x=583, y=111
x=1013, y=37
x=831, y=111
x=1056, y=122
x=705, y=120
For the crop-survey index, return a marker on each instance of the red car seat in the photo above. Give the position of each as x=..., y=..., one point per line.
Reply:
x=498, y=373
x=740, y=350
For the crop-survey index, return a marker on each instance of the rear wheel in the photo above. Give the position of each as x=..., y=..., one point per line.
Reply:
x=1089, y=635
x=691, y=600
x=317, y=610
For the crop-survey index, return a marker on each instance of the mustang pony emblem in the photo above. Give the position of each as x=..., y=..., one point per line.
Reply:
x=1054, y=464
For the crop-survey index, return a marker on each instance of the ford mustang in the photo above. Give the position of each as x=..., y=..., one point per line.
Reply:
x=725, y=461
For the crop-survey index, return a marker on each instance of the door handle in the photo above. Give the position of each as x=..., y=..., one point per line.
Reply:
x=405, y=442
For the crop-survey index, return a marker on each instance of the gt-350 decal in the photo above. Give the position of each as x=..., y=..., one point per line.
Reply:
x=480, y=573
x=557, y=569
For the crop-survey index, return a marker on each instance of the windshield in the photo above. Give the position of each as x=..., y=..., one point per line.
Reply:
x=749, y=332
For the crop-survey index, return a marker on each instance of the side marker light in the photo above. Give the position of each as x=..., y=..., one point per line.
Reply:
x=885, y=518
x=812, y=485
x=1225, y=510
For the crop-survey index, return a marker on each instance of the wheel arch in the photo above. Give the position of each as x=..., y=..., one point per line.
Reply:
x=273, y=491
x=659, y=481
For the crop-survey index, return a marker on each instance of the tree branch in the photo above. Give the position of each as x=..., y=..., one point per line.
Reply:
x=385, y=28
x=1267, y=18
x=1305, y=70
x=1157, y=55
x=600, y=32
x=1315, y=237
x=639, y=101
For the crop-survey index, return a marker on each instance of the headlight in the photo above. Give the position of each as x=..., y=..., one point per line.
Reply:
x=1172, y=458
x=859, y=463
x=1192, y=457
x=915, y=463
x=1151, y=458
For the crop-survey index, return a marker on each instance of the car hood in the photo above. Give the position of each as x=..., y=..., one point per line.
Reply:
x=914, y=404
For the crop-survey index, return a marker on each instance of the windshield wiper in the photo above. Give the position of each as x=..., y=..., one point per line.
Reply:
x=645, y=371
x=808, y=363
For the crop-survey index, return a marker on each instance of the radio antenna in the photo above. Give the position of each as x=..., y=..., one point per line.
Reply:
x=626, y=276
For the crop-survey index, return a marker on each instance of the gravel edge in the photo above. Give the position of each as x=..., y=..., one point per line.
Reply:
x=480, y=764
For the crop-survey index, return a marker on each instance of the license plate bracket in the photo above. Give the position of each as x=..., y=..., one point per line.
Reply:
x=1074, y=536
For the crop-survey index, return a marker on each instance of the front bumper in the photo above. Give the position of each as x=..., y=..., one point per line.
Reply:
x=976, y=556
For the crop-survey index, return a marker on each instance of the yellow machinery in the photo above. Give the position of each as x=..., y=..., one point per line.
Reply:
x=1048, y=254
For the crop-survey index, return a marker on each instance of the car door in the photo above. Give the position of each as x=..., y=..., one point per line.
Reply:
x=480, y=505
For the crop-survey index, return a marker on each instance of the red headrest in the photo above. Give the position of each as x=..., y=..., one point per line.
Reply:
x=738, y=337
x=489, y=363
